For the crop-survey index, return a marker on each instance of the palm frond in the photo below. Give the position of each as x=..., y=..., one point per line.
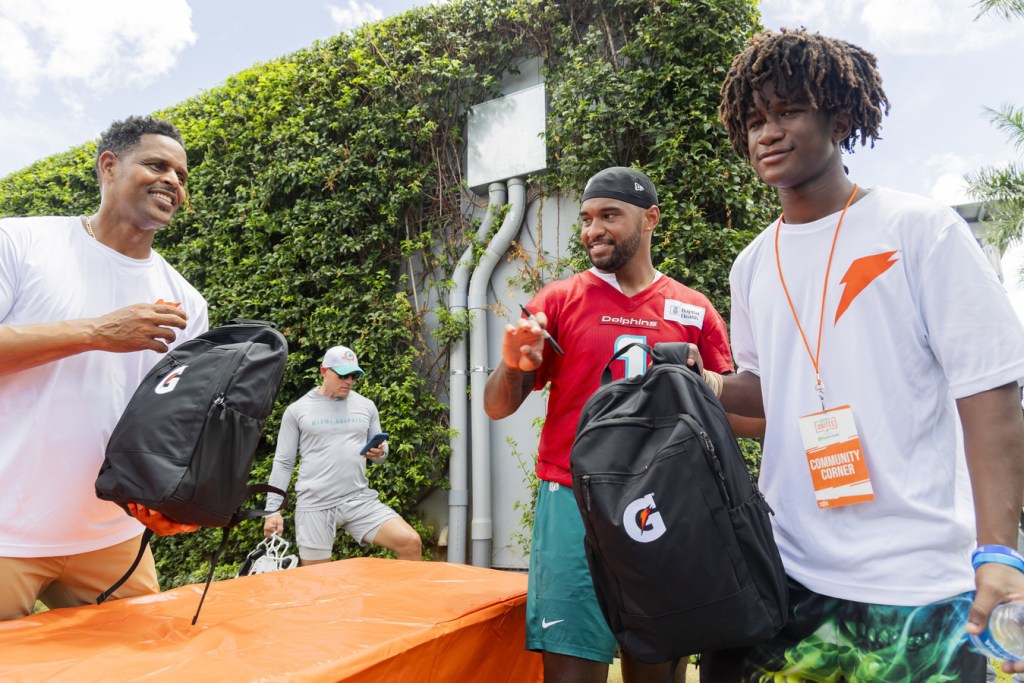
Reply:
x=1010, y=120
x=1002, y=191
x=1007, y=9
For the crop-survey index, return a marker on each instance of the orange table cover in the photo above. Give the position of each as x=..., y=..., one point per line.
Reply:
x=365, y=620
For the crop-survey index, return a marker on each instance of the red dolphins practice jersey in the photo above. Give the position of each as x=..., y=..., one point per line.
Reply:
x=591, y=320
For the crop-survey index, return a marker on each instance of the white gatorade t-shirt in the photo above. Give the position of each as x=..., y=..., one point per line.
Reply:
x=915, y=318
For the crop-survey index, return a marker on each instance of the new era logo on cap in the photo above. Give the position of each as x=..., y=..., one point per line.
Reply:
x=625, y=184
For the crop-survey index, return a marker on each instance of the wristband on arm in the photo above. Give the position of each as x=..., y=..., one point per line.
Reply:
x=999, y=554
x=714, y=382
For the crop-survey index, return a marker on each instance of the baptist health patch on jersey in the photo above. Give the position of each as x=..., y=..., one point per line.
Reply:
x=685, y=314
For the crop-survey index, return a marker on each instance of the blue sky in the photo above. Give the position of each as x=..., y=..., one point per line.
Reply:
x=68, y=68
x=940, y=67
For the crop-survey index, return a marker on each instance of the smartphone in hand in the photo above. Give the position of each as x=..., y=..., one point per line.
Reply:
x=375, y=440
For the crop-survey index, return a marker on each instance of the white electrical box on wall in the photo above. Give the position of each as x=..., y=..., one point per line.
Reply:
x=505, y=138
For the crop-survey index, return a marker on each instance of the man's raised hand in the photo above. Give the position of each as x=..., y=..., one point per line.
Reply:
x=138, y=327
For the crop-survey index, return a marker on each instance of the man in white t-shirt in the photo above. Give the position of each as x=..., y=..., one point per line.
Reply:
x=330, y=428
x=86, y=309
x=868, y=326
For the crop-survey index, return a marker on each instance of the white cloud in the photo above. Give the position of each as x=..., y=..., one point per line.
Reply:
x=18, y=63
x=824, y=16
x=950, y=188
x=100, y=43
x=896, y=24
x=354, y=14
x=944, y=172
x=947, y=173
x=904, y=27
x=931, y=26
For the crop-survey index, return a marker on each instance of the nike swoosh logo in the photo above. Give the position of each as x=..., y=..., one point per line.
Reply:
x=544, y=623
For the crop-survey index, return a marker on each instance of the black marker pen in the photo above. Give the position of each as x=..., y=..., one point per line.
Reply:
x=551, y=340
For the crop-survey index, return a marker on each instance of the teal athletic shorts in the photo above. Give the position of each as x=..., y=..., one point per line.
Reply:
x=828, y=639
x=562, y=614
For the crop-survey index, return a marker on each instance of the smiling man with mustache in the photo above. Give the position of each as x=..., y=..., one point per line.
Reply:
x=86, y=309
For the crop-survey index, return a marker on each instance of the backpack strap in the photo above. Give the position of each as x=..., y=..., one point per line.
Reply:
x=239, y=516
x=213, y=565
x=673, y=666
x=606, y=374
x=663, y=353
x=674, y=353
x=253, y=513
x=146, y=535
x=236, y=518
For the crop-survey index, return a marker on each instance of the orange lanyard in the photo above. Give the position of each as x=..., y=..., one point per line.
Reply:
x=816, y=356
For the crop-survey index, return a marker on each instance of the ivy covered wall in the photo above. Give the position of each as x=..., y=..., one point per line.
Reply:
x=326, y=191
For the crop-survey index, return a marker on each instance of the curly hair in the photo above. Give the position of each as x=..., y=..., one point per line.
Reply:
x=123, y=136
x=829, y=74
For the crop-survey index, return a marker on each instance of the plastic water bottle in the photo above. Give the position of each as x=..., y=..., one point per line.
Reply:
x=1004, y=637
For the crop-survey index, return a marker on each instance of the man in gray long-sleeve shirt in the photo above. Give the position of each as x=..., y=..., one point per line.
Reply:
x=329, y=426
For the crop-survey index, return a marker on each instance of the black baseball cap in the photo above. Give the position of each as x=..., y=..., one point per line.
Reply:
x=625, y=184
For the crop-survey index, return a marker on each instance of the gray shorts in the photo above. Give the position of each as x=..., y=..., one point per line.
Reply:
x=361, y=515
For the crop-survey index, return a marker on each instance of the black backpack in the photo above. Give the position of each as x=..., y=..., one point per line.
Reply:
x=678, y=538
x=184, y=445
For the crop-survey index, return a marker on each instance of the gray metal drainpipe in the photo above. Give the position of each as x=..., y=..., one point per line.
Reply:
x=458, y=416
x=480, y=429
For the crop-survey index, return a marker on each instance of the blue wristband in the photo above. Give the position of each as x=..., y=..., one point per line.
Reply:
x=1000, y=554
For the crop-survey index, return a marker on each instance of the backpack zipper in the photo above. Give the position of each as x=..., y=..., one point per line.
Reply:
x=709, y=449
x=763, y=501
x=225, y=377
x=166, y=366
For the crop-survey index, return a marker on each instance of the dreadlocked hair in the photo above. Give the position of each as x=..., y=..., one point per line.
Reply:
x=829, y=74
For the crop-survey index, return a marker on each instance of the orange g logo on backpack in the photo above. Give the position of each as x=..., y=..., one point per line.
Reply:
x=642, y=521
x=170, y=380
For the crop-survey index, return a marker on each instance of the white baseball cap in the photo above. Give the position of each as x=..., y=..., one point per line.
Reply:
x=342, y=360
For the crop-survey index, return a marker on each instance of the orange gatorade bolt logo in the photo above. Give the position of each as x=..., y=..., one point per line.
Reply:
x=861, y=273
